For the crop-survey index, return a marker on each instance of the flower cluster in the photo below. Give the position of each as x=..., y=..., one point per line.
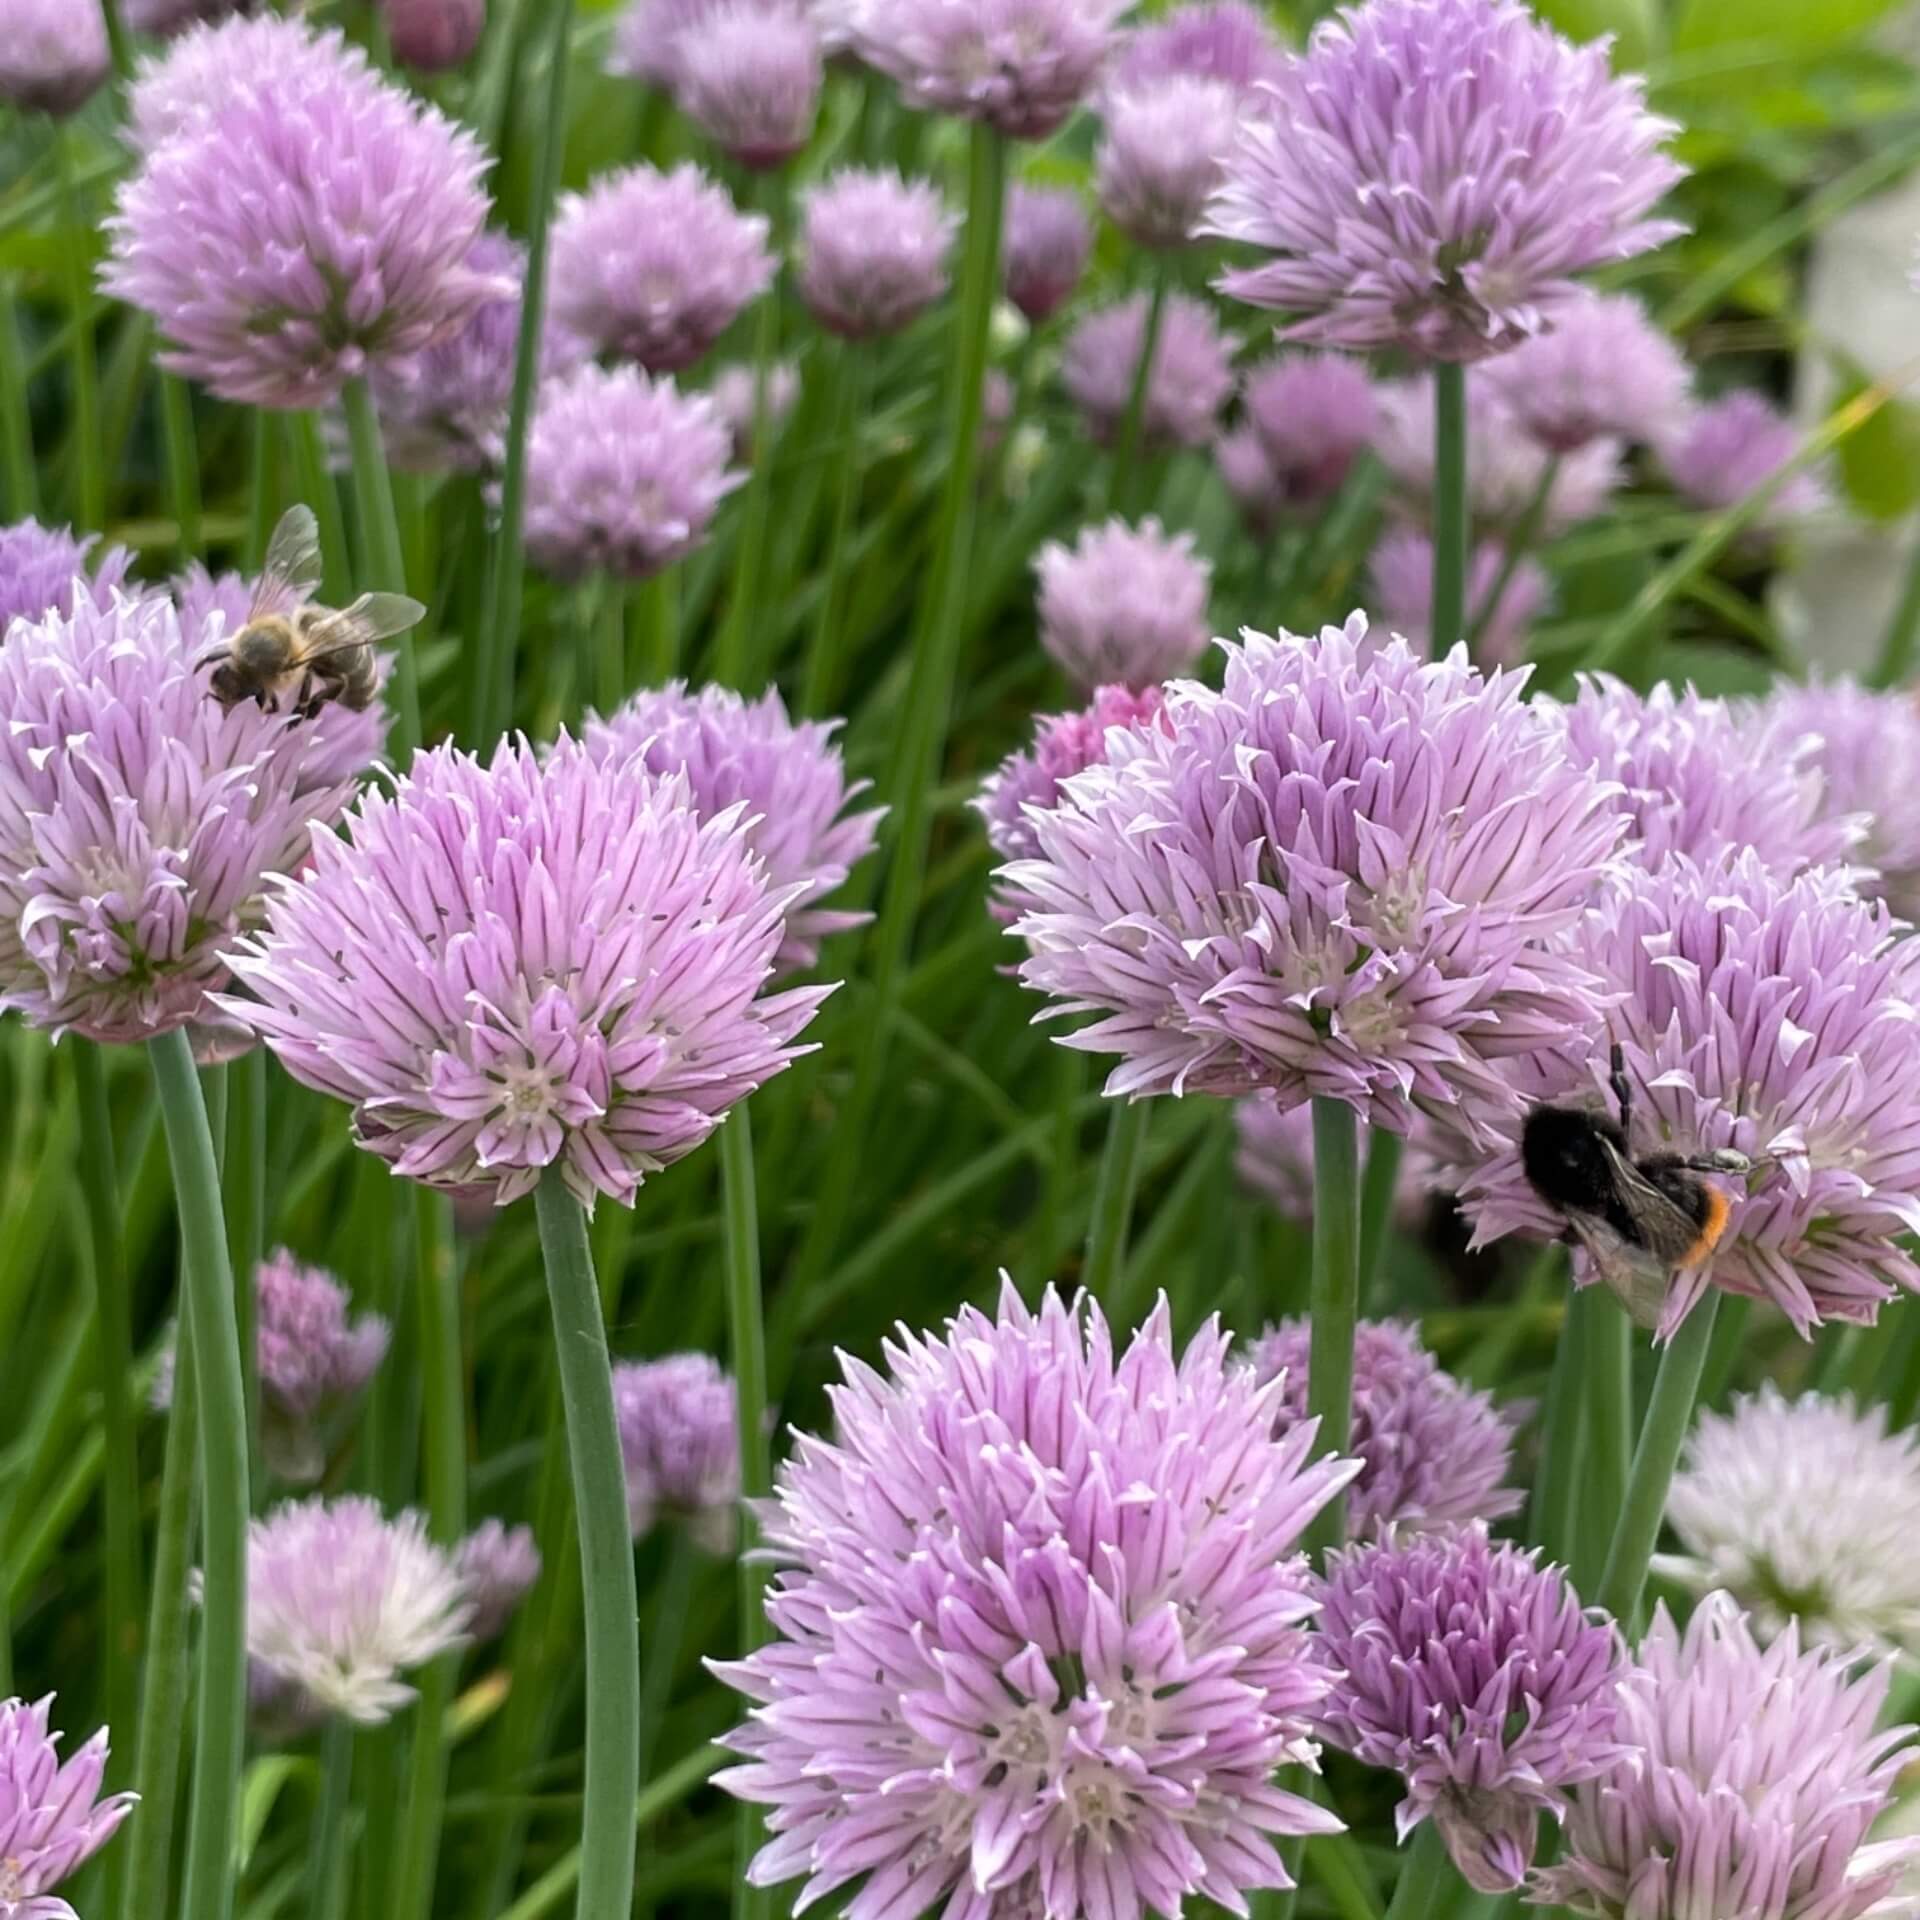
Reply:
x=1188, y=380
x=53, y=56
x=1307, y=418
x=1402, y=570
x=583, y=955
x=873, y=251
x=1719, y=453
x=1604, y=372
x=1224, y=40
x=1123, y=605
x=45, y=570
x=1039, y=1611
x=1162, y=155
x=680, y=1441
x=52, y=1817
x=1473, y=1673
x=787, y=776
x=497, y=1566
x=749, y=76
x=1044, y=250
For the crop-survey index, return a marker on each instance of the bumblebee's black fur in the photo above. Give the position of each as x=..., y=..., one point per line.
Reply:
x=1563, y=1152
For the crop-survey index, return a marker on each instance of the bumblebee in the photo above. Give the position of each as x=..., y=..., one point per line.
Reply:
x=295, y=654
x=1641, y=1218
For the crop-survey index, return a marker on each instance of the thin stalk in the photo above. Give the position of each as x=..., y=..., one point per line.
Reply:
x=1521, y=537
x=386, y=563
x=163, y=1683
x=1378, y=1186
x=825, y=656
x=120, y=1479
x=1675, y=1389
x=610, y=653
x=1450, y=530
x=243, y=1183
x=1729, y=1333
x=1550, y=1511
x=314, y=484
x=1063, y=1176
x=207, y=1282
x=1609, y=1451
x=1897, y=649
x=1426, y=1876
x=658, y=601
x=260, y=491
x=1126, y=445
x=436, y=1288
x=748, y=1340
x=89, y=479
x=612, y=1768
x=500, y=634
x=16, y=418
x=1335, y=1298
x=327, y=1841
x=669, y=1635
x=731, y=664
x=183, y=462
x=1113, y=1196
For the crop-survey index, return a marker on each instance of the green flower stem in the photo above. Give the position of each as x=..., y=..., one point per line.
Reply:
x=853, y=390
x=99, y=1182
x=658, y=601
x=1335, y=1283
x=669, y=1635
x=1126, y=445
x=16, y=418
x=1675, y=1388
x=610, y=651
x=314, y=485
x=500, y=633
x=732, y=653
x=88, y=480
x=163, y=1685
x=118, y=44
x=327, y=1847
x=386, y=564
x=926, y=710
x=1729, y=1334
x=260, y=490
x=1451, y=534
x=1063, y=1176
x=1378, y=1185
x=1113, y=1196
x=207, y=1283
x=243, y=1183
x=1897, y=649
x=1427, y=1878
x=606, y=1555
x=1550, y=1511
x=183, y=462
x=1609, y=1441
x=436, y=1292
x=748, y=1339
x=1521, y=539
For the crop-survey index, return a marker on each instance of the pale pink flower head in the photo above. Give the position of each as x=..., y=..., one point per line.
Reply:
x=786, y=777
x=53, y=55
x=52, y=1818
x=731, y=389
x=1722, y=451
x=1044, y=250
x=1402, y=570
x=432, y=36
x=1474, y=1673
x=498, y=1566
x=293, y=237
x=680, y=1441
x=654, y=267
x=1430, y=174
x=1162, y=154
x=45, y=570
x=139, y=819
x=1749, y=1783
x=873, y=250
x=541, y=960
x=1125, y=605
x=1312, y=415
x=1028, y=1582
x=1224, y=40
x=1347, y=873
x=1777, y=1018
x=1434, y=1453
x=646, y=39
x=1187, y=385
x=749, y=77
x=1022, y=66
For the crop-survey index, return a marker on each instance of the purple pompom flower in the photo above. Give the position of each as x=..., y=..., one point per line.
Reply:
x=732, y=392
x=1806, y=1511
x=787, y=776
x=749, y=77
x=1402, y=570
x=497, y=1565
x=1749, y=1785
x=624, y=473
x=1022, y=66
x=1603, y=372
x=313, y=226
x=1347, y=874
x=654, y=267
x=52, y=1817
x=1700, y=777
x=433, y=36
x=44, y=570
x=1432, y=172
x=1123, y=604
x=1040, y=1609
x=1188, y=384
x=1774, y=1017
x=1044, y=250
x=542, y=960
x=680, y=1440
x=646, y=39
x=1473, y=1673
x=1506, y=467
x=139, y=819
x=53, y=55
x=1248, y=476
x=1866, y=746
x=873, y=250
x=1312, y=415
x=1224, y=40
x=1162, y=155
x=1433, y=1452
x=1723, y=451
x=341, y=1601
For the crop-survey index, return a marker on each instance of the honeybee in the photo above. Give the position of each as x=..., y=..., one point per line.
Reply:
x=294, y=653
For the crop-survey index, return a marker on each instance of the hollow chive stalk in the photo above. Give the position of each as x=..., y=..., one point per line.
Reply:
x=1335, y=1295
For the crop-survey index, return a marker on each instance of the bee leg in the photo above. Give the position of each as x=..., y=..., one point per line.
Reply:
x=1622, y=1087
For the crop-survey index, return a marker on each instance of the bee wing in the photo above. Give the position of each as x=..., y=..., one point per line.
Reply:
x=1638, y=1281
x=374, y=616
x=293, y=570
x=1666, y=1228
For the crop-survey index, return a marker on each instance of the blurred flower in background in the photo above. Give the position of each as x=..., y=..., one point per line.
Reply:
x=873, y=250
x=497, y=1566
x=748, y=74
x=53, y=56
x=1123, y=605
x=1161, y=155
x=680, y=1439
x=1402, y=570
x=45, y=570
x=431, y=36
x=731, y=390
x=1224, y=40
x=1188, y=383
x=1726, y=449
x=52, y=1817
x=1044, y=249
